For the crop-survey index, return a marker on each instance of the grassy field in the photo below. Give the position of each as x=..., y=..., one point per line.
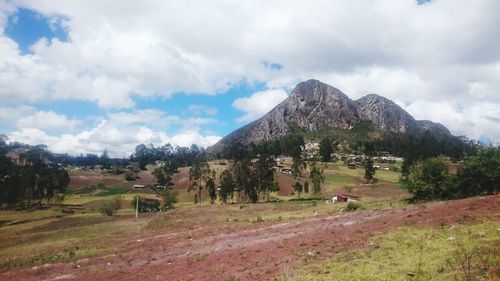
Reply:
x=416, y=254
x=30, y=238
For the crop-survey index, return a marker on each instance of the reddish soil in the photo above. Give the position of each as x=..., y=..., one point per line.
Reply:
x=379, y=190
x=255, y=252
x=285, y=182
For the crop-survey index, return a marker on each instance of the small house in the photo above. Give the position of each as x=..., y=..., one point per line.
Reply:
x=139, y=186
x=344, y=198
x=340, y=198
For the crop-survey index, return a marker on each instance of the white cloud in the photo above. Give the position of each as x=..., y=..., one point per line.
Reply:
x=445, y=51
x=259, y=103
x=48, y=120
x=475, y=120
x=29, y=117
x=119, y=141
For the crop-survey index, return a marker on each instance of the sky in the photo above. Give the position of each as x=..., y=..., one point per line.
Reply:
x=85, y=76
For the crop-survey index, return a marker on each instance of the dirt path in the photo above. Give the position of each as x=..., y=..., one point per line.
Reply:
x=259, y=252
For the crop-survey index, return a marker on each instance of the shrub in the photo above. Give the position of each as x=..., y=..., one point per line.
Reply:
x=169, y=199
x=110, y=207
x=430, y=179
x=129, y=176
x=351, y=206
x=480, y=174
x=146, y=205
x=470, y=261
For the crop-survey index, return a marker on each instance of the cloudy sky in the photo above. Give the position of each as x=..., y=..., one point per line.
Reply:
x=84, y=76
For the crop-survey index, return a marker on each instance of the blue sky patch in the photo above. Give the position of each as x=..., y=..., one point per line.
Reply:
x=26, y=27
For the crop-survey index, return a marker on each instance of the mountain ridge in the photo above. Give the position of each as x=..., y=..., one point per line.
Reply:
x=313, y=105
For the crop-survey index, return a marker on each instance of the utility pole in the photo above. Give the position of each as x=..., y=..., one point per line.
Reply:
x=137, y=206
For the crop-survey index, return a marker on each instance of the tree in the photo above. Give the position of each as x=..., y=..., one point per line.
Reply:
x=169, y=199
x=245, y=180
x=430, y=179
x=264, y=173
x=164, y=186
x=317, y=179
x=163, y=179
x=369, y=170
x=326, y=149
x=212, y=190
x=104, y=160
x=306, y=187
x=480, y=173
x=141, y=155
x=197, y=175
x=226, y=186
x=297, y=187
x=292, y=145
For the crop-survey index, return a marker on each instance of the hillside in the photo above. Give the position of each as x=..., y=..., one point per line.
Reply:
x=313, y=106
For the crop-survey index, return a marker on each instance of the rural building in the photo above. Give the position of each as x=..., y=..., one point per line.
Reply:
x=344, y=198
x=139, y=186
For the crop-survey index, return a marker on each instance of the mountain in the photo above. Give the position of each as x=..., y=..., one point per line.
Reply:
x=313, y=105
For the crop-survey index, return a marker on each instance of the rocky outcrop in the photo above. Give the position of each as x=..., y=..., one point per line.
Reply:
x=313, y=105
x=385, y=114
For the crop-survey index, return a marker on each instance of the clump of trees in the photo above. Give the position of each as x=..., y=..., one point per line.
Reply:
x=248, y=180
x=36, y=181
x=326, y=149
x=173, y=157
x=478, y=175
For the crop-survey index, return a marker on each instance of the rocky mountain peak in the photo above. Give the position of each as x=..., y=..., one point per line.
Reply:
x=313, y=105
x=384, y=113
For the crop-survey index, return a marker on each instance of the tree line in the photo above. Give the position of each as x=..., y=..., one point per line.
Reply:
x=36, y=181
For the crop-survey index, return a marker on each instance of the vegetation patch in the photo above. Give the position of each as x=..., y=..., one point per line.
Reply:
x=49, y=258
x=456, y=252
x=97, y=190
x=351, y=206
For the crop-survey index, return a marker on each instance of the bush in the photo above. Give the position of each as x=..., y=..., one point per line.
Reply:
x=146, y=205
x=351, y=206
x=110, y=207
x=480, y=174
x=129, y=176
x=169, y=199
x=430, y=179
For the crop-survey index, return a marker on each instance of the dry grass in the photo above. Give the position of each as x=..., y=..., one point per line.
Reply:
x=413, y=254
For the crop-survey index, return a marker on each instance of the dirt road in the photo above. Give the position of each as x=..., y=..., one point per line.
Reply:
x=258, y=252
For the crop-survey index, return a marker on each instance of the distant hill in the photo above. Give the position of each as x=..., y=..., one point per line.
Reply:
x=313, y=106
